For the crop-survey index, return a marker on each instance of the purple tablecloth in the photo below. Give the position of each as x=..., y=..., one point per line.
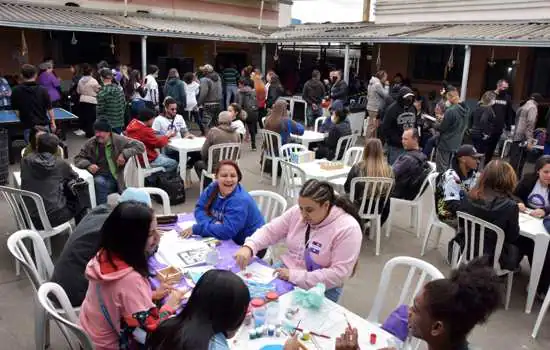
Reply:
x=226, y=250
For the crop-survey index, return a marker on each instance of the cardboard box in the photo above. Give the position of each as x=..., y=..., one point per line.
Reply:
x=169, y=275
x=302, y=157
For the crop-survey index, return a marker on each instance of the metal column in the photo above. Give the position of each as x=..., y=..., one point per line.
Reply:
x=465, y=71
x=264, y=58
x=346, y=64
x=144, y=56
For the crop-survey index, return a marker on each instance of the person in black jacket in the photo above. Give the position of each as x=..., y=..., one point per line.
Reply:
x=399, y=116
x=338, y=128
x=533, y=191
x=482, y=122
x=411, y=168
x=504, y=117
x=339, y=89
x=274, y=91
x=314, y=91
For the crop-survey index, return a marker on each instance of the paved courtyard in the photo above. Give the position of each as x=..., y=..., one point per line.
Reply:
x=505, y=330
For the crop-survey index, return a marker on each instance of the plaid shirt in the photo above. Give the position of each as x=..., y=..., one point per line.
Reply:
x=5, y=93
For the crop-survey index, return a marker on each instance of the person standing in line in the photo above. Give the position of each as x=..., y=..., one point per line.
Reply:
x=376, y=97
x=175, y=88
x=135, y=93
x=48, y=80
x=522, y=140
x=210, y=96
x=275, y=90
x=481, y=120
x=87, y=88
x=451, y=128
x=313, y=94
x=339, y=89
x=32, y=103
x=152, y=88
x=111, y=102
x=230, y=77
x=246, y=98
x=192, y=87
x=260, y=88
x=504, y=118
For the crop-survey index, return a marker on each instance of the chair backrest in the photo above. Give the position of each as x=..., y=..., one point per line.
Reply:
x=16, y=200
x=425, y=184
x=318, y=122
x=271, y=204
x=69, y=320
x=432, y=181
x=131, y=174
x=290, y=148
x=223, y=151
x=428, y=272
x=272, y=143
x=263, y=121
x=292, y=179
x=40, y=269
x=344, y=143
x=142, y=161
x=165, y=198
x=475, y=230
x=376, y=193
x=353, y=155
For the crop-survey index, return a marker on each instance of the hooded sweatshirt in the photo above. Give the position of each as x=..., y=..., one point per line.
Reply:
x=128, y=300
x=482, y=120
x=88, y=88
x=397, y=118
x=175, y=88
x=335, y=132
x=211, y=89
x=246, y=98
x=452, y=127
x=222, y=133
x=314, y=91
x=33, y=102
x=376, y=95
x=137, y=130
x=526, y=121
x=235, y=216
x=504, y=113
x=334, y=245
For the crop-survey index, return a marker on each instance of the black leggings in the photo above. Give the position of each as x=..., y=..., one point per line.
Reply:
x=253, y=130
x=87, y=116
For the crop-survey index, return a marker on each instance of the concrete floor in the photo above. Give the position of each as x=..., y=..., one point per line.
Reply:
x=505, y=330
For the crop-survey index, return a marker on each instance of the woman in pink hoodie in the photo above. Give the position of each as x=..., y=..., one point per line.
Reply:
x=323, y=236
x=118, y=310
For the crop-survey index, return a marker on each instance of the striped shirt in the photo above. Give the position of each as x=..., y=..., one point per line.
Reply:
x=230, y=76
x=111, y=104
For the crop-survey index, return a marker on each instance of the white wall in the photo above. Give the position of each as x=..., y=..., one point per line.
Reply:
x=285, y=15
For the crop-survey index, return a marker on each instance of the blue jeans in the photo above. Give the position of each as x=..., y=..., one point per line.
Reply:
x=166, y=162
x=334, y=294
x=230, y=91
x=105, y=184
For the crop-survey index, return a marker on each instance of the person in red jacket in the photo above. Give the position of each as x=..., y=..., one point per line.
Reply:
x=141, y=129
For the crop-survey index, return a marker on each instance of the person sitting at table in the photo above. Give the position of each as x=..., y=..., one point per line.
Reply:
x=225, y=210
x=374, y=164
x=323, y=236
x=48, y=176
x=533, y=190
x=83, y=244
x=31, y=147
x=141, y=129
x=239, y=116
x=118, y=309
x=279, y=122
x=202, y=324
x=223, y=133
x=171, y=120
x=105, y=156
x=339, y=127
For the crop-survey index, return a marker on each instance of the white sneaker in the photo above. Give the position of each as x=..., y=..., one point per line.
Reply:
x=79, y=132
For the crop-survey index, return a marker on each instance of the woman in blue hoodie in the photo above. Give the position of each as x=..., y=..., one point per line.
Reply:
x=225, y=210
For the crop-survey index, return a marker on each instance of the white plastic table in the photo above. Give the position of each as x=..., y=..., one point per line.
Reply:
x=313, y=171
x=328, y=320
x=533, y=228
x=184, y=146
x=308, y=137
x=82, y=173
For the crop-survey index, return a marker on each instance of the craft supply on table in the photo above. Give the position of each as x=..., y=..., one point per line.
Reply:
x=272, y=313
x=302, y=157
x=373, y=338
x=331, y=165
x=258, y=273
x=169, y=275
x=194, y=274
x=258, y=312
x=167, y=219
x=306, y=336
x=312, y=298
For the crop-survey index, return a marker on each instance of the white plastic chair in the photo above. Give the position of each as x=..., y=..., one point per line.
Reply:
x=507, y=144
x=474, y=230
x=68, y=320
x=366, y=126
x=217, y=153
x=292, y=179
x=542, y=313
x=271, y=204
x=15, y=198
x=145, y=169
x=39, y=271
x=416, y=205
x=352, y=156
x=346, y=142
x=263, y=121
x=163, y=195
x=433, y=220
x=318, y=122
x=376, y=193
x=273, y=145
x=290, y=148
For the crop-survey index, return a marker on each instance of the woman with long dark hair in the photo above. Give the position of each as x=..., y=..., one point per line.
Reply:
x=135, y=93
x=323, y=236
x=118, y=310
x=214, y=313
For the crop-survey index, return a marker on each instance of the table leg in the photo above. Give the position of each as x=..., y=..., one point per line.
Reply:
x=91, y=189
x=539, y=256
x=183, y=164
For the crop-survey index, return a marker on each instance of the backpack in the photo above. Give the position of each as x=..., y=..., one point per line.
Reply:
x=249, y=102
x=172, y=184
x=409, y=186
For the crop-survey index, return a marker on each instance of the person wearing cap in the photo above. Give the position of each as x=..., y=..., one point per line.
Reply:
x=337, y=127
x=83, y=245
x=523, y=139
x=210, y=96
x=141, y=129
x=111, y=103
x=451, y=129
x=399, y=116
x=104, y=156
x=223, y=133
x=453, y=184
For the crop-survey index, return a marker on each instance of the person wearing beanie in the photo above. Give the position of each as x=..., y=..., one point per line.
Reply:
x=111, y=102
x=141, y=129
x=523, y=139
x=104, y=156
x=223, y=133
x=83, y=245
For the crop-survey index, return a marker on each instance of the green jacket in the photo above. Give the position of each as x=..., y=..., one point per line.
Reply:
x=111, y=105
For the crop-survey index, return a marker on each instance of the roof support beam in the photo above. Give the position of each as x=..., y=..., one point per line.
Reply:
x=465, y=72
x=144, y=56
x=346, y=64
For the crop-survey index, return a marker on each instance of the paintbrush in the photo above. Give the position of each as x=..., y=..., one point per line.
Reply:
x=296, y=328
x=312, y=333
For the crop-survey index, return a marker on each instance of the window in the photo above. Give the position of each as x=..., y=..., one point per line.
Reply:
x=428, y=62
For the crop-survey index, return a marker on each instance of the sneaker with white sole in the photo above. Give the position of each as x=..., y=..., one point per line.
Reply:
x=79, y=132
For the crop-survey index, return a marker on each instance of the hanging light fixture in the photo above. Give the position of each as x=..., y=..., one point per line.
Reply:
x=276, y=55
x=73, y=40
x=215, y=53
x=516, y=61
x=492, y=61
x=299, y=61
x=24, y=47
x=378, y=58
x=112, y=44
x=450, y=63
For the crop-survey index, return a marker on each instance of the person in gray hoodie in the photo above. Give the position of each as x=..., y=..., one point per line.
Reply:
x=451, y=128
x=175, y=88
x=210, y=96
x=377, y=93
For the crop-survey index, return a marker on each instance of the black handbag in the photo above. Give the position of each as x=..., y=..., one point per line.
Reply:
x=173, y=185
x=76, y=190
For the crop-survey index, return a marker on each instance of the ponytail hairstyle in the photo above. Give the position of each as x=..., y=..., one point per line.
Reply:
x=216, y=191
